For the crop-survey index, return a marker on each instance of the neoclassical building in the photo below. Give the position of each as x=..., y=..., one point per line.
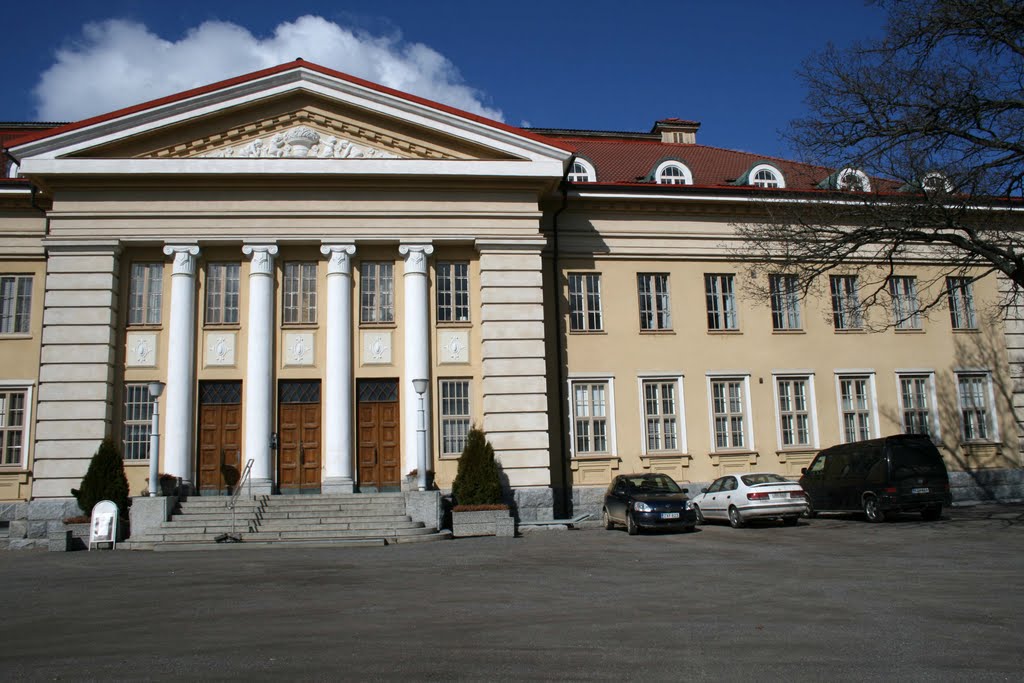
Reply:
x=295, y=252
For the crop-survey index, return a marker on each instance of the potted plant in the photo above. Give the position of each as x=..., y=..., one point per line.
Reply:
x=479, y=508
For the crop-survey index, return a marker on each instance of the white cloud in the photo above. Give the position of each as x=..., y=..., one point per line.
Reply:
x=119, y=63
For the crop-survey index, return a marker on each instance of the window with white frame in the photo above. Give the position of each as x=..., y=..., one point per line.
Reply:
x=916, y=405
x=655, y=307
x=661, y=415
x=15, y=303
x=582, y=172
x=452, y=284
x=852, y=180
x=590, y=417
x=585, y=302
x=855, y=407
x=145, y=293
x=13, y=425
x=976, y=415
x=906, y=311
x=729, y=412
x=455, y=415
x=376, y=292
x=795, y=411
x=961, y=303
x=785, y=295
x=765, y=175
x=137, y=421
x=222, y=293
x=300, y=292
x=720, y=295
x=846, y=314
x=673, y=173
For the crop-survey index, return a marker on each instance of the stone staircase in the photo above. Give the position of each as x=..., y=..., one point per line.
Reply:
x=309, y=520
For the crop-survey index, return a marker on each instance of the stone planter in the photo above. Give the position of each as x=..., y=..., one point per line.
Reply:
x=483, y=523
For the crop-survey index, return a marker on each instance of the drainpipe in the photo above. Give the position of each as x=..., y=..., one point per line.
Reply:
x=561, y=342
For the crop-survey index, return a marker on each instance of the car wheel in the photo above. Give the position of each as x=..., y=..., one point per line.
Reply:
x=872, y=511
x=790, y=521
x=931, y=514
x=700, y=515
x=735, y=521
x=631, y=526
x=608, y=523
x=811, y=512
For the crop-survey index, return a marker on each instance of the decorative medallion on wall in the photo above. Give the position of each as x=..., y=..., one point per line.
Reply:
x=301, y=142
x=376, y=348
x=298, y=348
x=141, y=350
x=220, y=348
x=453, y=345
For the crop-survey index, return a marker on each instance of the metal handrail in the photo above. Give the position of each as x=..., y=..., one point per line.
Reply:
x=234, y=536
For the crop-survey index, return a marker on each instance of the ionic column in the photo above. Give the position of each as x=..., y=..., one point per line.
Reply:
x=178, y=411
x=259, y=367
x=338, y=428
x=416, y=325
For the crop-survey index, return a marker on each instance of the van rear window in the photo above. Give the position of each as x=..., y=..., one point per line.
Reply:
x=910, y=459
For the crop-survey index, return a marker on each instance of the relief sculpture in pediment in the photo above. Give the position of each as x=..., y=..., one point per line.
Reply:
x=301, y=142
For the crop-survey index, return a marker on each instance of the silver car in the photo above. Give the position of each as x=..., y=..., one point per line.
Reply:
x=755, y=495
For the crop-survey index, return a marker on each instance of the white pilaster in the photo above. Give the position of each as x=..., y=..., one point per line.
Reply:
x=178, y=435
x=338, y=392
x=259, y=368
x=416, y=324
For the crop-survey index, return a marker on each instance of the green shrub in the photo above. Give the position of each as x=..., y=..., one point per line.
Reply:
x=104, y=480
x=477, y=481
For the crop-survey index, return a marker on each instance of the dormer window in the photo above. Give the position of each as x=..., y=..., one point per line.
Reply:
x=766, y=175
x=582, y=172
x=936, y=182
x=673, y=173
x=852, y=180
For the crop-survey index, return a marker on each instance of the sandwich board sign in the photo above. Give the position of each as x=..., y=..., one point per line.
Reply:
x=103, y=527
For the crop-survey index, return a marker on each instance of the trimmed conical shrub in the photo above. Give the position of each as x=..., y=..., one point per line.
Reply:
x=104, y=480
x=477, y=481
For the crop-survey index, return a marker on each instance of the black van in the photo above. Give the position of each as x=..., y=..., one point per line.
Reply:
x=892, y=474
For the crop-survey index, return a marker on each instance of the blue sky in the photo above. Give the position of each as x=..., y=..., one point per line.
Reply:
x=593, y=65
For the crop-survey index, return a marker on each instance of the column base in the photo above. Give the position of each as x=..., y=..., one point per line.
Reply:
x=337, y=485
x=260, y=487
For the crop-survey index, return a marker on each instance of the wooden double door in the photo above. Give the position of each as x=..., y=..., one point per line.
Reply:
x=220, y=437
x=379, y=453
x=299, y=460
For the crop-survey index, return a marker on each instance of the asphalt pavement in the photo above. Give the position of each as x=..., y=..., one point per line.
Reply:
x=833, y=599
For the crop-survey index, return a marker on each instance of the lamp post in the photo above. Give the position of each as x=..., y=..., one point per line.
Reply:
x=155, y=389
x=420, y=385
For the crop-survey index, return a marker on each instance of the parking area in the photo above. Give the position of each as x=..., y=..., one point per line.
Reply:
x=831, y=599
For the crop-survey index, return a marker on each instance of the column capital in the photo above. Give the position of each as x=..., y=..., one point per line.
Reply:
x=416, y=257
x=340, y=258
x=184, y=258
x=262, y=258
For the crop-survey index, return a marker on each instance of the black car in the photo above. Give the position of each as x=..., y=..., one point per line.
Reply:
x=902, y=473
x=647, y=501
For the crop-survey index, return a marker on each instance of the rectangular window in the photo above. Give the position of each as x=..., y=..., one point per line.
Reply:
x=13, y=404
x=855, y=406
x=845, y=302
x=785, y=293
x=655, y=308
x=452, y=280
x=915, y=404
x=906, y=311
x=377, y=292
x=975, y=406
x=961, y=303
x=455, y=417
x=728, y=410
x=138, y=421
x=721, y=302
x=585, y=302
x=590, y=417
x=145, y=293
x=222, y=293
x=300, y=292
x=15, y=303
x=794, y=411
x=661, y=415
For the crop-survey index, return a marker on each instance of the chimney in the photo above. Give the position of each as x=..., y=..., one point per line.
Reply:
x=677, y=130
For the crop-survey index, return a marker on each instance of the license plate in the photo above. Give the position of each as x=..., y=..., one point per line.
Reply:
x=778, y=495
x=924, y=490
x=670, y=515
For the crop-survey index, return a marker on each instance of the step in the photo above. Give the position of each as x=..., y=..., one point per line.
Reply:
x=342, y=525
x=306, y=534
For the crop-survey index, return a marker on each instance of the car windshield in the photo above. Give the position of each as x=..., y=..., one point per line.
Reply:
x=653, y=483
x=756, y=479
x=912, y=459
